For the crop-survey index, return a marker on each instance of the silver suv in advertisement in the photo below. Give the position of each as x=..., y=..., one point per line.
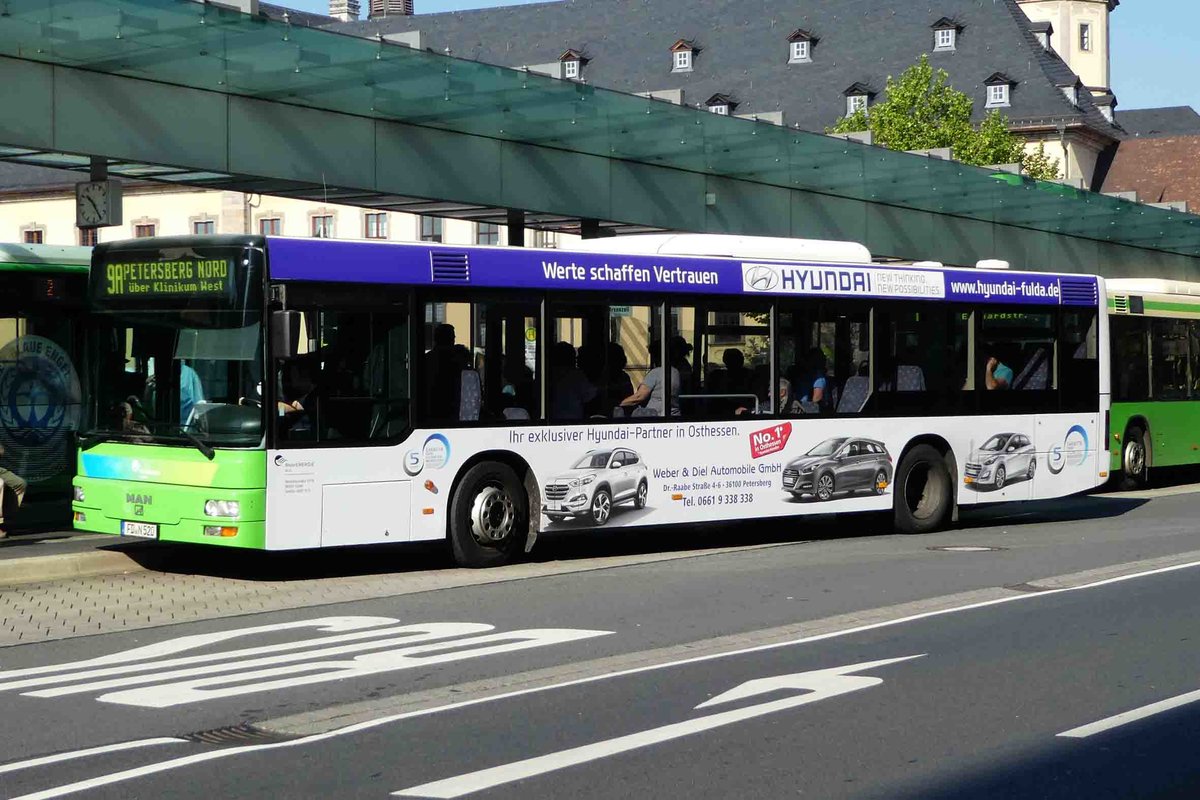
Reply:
x=596, y=483
x=1004, y=458
x=843, y=464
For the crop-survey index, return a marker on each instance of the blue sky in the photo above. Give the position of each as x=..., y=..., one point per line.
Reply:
x=1154, y=57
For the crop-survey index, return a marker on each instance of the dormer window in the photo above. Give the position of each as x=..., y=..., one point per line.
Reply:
x=721, y=104
x=1071, y=93
x=1042, y=31
x=572, y=64
x=681, y=55
x=998, y=91
x=945, y=34
x=800, y=47
x=858, y=98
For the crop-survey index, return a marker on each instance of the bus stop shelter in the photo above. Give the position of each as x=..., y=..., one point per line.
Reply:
x=206, y=96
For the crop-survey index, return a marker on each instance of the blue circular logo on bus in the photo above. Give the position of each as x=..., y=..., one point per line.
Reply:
x=1072, y=452
x=40, y=404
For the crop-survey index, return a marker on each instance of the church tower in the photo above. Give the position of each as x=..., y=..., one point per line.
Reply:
x=1080, y=36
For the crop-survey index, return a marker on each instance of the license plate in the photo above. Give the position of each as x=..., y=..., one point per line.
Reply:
x=139, y=530
x=968, y=479
x=551, y=505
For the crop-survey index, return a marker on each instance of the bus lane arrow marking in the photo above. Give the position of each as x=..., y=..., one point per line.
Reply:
x=820, y=685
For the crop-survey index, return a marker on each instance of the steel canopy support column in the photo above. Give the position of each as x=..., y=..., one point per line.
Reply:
x=516, y=228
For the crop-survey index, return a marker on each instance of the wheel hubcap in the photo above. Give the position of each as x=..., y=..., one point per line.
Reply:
x=1000, y=477
x=641, y=495
x=493, y=516
x=600, y=507
x=1135, y=458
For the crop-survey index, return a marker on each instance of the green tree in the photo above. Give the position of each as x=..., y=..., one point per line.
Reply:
x=923, y=111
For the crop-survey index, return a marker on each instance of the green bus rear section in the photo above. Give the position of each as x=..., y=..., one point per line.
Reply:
x=168, y=486
x=1174, y=427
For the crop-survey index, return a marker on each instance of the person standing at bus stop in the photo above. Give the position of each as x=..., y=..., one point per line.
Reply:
x=15, y=486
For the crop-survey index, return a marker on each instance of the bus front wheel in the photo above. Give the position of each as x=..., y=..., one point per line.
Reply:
x=922, y=493
x=489, y=516
x=1135, y=472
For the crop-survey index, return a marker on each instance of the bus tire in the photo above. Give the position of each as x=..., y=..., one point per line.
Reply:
x=923, y=494
x=1135, y=468
x=489, y=516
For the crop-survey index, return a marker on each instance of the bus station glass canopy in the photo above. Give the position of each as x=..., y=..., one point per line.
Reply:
x=209, y=47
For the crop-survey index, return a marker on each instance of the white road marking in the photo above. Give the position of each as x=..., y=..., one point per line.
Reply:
x=185, y=761
x=13, y=679
x=182, y=643
x=309, y=672
x=1126, y=717
x=16, y=766
x=821, y=685
x=209, y=676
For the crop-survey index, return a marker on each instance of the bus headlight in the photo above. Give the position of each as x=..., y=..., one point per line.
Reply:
x=222, y=508
x=77, y=494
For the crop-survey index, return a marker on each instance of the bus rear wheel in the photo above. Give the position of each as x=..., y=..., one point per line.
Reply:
x=1135, y=471
x=923, y=495
x=489, y=516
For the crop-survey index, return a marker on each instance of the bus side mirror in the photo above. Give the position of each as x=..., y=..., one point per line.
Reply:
x=285, y=334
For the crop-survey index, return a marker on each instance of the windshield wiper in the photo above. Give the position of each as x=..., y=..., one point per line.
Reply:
x=201, y=445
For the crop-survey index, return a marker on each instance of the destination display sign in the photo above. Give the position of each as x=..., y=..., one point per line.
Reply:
x=195, y=277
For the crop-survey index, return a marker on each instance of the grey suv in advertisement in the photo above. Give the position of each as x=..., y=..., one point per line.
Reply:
x=1002, y=459
x=596, y=483
x=843, y=464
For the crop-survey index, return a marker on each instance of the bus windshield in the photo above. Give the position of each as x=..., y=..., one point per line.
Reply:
x=177, y=375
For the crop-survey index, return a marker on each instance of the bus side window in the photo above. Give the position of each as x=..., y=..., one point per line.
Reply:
x=349, y=383
x=602, y=363
x=1079, y=363
x=1130, y=359
x=722, y=356
x=1169, y=372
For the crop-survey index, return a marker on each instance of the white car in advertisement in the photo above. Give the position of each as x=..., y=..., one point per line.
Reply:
x=596, y=483
x=1002, y=459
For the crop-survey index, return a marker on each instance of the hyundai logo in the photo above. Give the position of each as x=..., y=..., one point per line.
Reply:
x=762, y=279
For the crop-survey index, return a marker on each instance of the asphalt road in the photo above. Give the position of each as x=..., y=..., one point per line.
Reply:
x=588, y=684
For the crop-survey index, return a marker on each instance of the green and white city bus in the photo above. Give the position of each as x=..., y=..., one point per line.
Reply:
x=275, y=393
x=42, y=292
x=1155, y=328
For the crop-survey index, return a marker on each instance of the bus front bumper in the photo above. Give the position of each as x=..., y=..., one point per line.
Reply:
x=169, y=513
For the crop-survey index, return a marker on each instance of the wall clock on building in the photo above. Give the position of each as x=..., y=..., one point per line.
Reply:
x=97, y=204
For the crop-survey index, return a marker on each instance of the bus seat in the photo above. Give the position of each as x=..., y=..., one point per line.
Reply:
x=910, y=378
x=470, y=399
x=1036, y=373
x=854, y=395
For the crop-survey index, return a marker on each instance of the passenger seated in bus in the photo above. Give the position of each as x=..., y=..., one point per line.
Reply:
x=737, y=376
x=617, y=383
x=647, y=399
x=442, y=378
x=679, y=352
x=997, y=375
x=298, y=396
x=191, y=391
x=570, y=389
x=813, y=381
x=788, y=405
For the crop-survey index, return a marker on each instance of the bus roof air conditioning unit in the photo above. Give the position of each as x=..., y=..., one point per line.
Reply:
x=991, y=263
